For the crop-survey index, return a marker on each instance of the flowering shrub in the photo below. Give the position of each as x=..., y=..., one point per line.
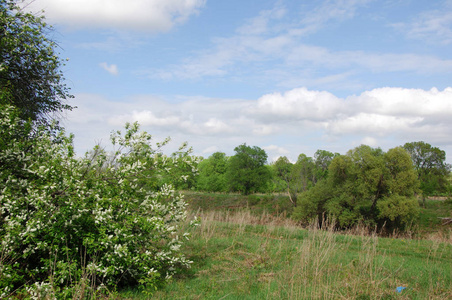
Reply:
x=105, y=219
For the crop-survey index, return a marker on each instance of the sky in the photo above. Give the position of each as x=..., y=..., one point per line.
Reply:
x=287, y=76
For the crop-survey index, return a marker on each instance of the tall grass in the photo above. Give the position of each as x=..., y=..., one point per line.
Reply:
x=238, y=255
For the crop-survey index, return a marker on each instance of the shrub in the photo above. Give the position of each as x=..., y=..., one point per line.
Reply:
x=99, y=219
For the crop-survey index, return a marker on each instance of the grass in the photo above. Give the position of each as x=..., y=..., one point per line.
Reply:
x=257, y=203
x=429, y=223
x=241, y=255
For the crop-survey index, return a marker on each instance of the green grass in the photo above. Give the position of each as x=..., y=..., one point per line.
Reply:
x=257, y=203
x=433, y=209
x=235, y=260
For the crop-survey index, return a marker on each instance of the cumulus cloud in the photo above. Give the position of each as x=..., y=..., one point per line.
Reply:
x=142, y=15
x=112, y=69
x=370, y=141
x=297, y=104
x=211, y=149
x=214, y=125
x=276, y=150
x=378, y=113
x=398, y=111
x=365, y=123
x=145, y=118
x=406, y=102
x=281, y=123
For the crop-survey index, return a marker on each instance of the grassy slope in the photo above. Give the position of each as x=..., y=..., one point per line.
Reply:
x=234, y=260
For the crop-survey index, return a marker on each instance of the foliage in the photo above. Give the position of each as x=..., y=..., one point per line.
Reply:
x=282, y=176
x=212, y=173
x=30, y=69
x=97, y=220
x=430, y=163
x=366, y=185
x=304, y=174
x=247, y=172
x=296, y=177
x=182, y=169
x=322, y=160
x=312, y=203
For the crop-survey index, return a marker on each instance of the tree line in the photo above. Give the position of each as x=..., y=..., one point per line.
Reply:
x=248, y=171
x=364, y=185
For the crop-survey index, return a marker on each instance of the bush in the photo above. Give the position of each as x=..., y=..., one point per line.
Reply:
x=69, y=222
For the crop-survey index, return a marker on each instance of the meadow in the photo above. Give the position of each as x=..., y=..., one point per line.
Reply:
x=240, y=254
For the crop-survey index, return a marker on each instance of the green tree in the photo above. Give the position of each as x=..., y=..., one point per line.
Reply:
x=304, y=172
x=247, y=172
x=365, y=185
x=285, y=178
x=430, y=164
x=322, y=161
x=30, y=69
x=68, y=222
x=212, y=173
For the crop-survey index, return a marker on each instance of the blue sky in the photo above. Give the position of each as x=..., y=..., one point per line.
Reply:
x=288, y=76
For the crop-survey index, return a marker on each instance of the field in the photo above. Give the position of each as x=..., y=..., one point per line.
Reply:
x=240, y=254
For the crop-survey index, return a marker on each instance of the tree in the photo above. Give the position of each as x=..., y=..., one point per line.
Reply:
x=322, y=161
x=212, y=173
x=30, y=69
x=182, y=168
x=430, y=164
x=365, y=185
x=283, y=169
x=246, y=170
x=69, y=223
x=304, y=174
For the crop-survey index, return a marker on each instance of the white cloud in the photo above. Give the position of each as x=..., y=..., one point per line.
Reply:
x=145, y=118
x=278, y=149
x=214, y=125
x=112, y=69
x=267, y=37
x=406, y=102
x=259, y=24
x=365, y=123
x=398, y=111
x=335, y=10
x=434, y=25
x=277, y=44
x=290, y=123
x=375, y=62
x=141, y=15
x=370, y=141
x=211, y=149
x=297, y=104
